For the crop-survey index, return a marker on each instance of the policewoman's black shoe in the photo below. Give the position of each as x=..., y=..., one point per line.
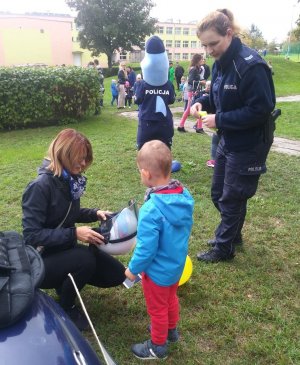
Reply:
x=213, y=255
x=237, y=242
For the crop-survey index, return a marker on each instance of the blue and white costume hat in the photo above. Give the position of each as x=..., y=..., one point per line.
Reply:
x=155, y=65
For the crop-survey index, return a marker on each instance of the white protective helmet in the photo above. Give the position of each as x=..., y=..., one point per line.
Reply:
x=119, y=230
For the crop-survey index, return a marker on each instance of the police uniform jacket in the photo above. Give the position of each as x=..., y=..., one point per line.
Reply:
x=242, y=96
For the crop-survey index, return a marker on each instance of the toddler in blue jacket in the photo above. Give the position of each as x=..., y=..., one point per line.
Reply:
x=164, y=227
x=114, y=92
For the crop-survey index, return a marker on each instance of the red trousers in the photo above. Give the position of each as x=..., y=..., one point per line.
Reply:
x=163, y=308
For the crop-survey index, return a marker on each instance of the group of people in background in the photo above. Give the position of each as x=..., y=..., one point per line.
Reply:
x=125, y=86
x=122, y=89
x=130, y=86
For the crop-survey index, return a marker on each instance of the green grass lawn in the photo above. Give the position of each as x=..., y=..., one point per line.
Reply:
x=244, y=312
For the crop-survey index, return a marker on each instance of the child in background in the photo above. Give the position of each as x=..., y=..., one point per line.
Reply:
x=206, y=91
x=160, y=256
x=185, y=94
x=128, y=94
x=213, y=150
x=181, y=85
x=114, y=92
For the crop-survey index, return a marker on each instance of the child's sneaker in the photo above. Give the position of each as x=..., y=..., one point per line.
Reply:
x=210, y=163
x=181, y=129
x=149, y=351
x=173, y=334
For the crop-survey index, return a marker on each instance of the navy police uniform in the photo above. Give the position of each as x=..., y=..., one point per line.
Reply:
x=242, y=97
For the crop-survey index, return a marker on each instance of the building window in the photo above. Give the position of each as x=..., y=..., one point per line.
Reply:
x=143, y=45
x=185, y=56
x=177, y=44
x=169, y=30
x=193, y=31
x=185, y=44
x=186, y=31
x=177, y=30
x=160, y=30
x=123, y=56
x=169, y=43
x=169, y=55
x=193, y=44
x=177, y=56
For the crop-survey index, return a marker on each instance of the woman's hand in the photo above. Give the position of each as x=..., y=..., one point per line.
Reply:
x=129, y=275
x=209, y=120
x=88, y=235
x=101, y=214
x=195, y=109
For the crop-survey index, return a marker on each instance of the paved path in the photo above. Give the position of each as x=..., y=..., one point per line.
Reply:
x=288, y=98
x=283, y=145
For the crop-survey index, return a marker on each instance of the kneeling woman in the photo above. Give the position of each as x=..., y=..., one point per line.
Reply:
x=51, y=208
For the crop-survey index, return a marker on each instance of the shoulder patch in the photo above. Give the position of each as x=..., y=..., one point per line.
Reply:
x=248, y=58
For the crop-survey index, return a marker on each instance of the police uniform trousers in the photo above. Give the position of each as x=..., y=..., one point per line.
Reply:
x=235, y=180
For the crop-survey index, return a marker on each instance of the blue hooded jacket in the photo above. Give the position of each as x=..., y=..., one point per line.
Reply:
x=164, y=227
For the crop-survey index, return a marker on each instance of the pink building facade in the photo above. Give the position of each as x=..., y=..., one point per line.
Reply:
x=26, y=39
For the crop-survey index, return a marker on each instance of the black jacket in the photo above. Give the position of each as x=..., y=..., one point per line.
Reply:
x=121, y=77
x=206, y=71
x=45, y=204
x=194, y=78
x=179, y=71
x=246, y=96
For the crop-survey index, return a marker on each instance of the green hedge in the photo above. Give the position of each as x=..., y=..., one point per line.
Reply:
x=108, y=72
x=42, y=96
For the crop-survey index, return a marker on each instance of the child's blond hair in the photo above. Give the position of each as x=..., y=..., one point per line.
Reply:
x=155, y=156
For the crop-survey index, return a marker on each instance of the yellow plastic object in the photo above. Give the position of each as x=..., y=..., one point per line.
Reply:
x=202, y=113
x=187, y=271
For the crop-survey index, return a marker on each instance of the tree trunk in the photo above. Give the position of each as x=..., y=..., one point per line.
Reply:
x=109, y=59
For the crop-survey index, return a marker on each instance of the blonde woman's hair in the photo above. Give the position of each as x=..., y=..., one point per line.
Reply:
x=155, y=157
x=67, y=148
x=219, y=20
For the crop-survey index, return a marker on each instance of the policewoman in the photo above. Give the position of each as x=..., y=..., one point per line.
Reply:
x=240, y=104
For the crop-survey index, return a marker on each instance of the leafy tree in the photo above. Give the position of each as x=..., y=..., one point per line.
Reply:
x=296, y=32
x=256, y=38
x=272, y=46
x=107, y=25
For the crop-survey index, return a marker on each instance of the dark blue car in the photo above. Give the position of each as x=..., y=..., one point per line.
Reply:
x=45, y=335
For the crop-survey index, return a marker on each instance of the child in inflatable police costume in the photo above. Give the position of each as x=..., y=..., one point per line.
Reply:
x=153, y=95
